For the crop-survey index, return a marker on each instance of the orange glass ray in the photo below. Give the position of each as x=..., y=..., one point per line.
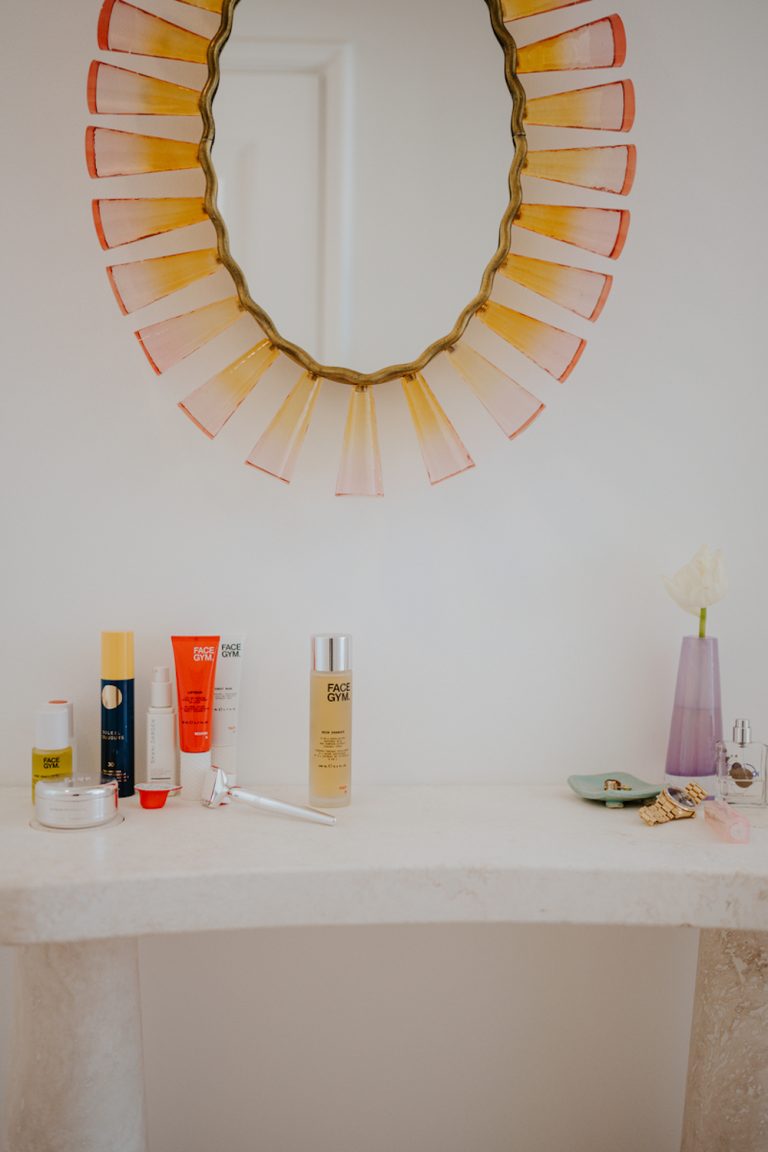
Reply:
x=211, y=405
x=516, y=9
x=360, y=466
x=139, y=283
x=125, y=28
x=601, y=44
x=554, y=350
x=170, y=341
x=277, y=450
x=120, y=92
x=110, y=152
x=512, y=406
x=600, y=230
x=443, y=453
x=208, y=5
x=121, y=222
x=605, y=107
x=609, y=169
x=578, y=289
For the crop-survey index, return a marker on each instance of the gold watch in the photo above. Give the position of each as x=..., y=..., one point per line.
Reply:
x=673, y=804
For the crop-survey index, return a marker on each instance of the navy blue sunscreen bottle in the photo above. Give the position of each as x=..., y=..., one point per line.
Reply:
x=117, y=710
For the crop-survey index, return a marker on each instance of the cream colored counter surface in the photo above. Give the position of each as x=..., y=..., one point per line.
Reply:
x=75, y=902
x=524, y=854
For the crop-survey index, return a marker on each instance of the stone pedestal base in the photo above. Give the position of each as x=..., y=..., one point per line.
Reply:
x=77, y=1068
x=726, y=1104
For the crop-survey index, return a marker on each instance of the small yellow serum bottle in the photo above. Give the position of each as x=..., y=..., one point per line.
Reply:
x=330, y=721
x=52, y=752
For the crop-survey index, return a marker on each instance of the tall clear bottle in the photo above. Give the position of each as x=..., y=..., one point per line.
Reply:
x=330, y=721
x=741, y=767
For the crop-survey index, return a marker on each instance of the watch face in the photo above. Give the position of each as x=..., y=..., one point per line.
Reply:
x=680, y=797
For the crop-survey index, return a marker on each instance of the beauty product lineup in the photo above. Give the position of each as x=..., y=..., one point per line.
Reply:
x=191, y=748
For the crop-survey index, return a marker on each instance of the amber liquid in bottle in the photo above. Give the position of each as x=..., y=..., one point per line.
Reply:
x=330, y=738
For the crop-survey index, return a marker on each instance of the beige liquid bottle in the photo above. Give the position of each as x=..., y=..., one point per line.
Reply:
x=330, y=721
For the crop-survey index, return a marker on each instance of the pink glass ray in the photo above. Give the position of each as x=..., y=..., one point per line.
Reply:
x=277, y=450
x=513, y=408
x=360, y=467
x=604, y=107
x=578, y=289
x=121, y=222
x=517, y=9
x=600, y=230
x=601, y=44
x=143, y=281
x=170, y=341
x=125, y=28
x=610, y=169
x=212, y=404
x=443, y=453
x=110, y=152
x=554, y=350
x=121, y=92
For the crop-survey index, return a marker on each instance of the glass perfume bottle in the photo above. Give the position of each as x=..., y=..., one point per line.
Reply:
x=741, y=767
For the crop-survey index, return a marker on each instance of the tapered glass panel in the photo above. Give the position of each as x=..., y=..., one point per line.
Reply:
x=360, y=467
x=579, y=289
x=516, y=9
x=443, y=453
x=605, y=107
x=208, y=5
x=277, y=450
x=601, y=44
x=110, y=152
x=142, y=281
x=609, y=169
x=120, y=92
x=125, y=28
x=123, y=221
x=600, y=230
x=212, y=404
x=512, y=406
x=168, y=342
x=554, y=350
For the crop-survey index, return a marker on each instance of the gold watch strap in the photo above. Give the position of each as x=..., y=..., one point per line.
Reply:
x=665, y=809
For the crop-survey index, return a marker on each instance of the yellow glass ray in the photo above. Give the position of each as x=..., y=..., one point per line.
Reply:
x=170, y=341
x=600, y=230
x=360, y=466
x=513, y=407
x=121, y=92
x=121, y=222
x=578, y=289
x=212, y=404
x=141, y=282
x=443, y=453
x=110, y=152
x=517, y=9
x=125, y=28
x=208, y=5
x=601, y=44
x=604, y=107
x=277, y=450
x=610, y=169
x=554, y=350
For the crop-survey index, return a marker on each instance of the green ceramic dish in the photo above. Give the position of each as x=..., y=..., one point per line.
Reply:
x=592, y=788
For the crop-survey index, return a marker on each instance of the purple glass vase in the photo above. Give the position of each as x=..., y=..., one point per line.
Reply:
x=697, y=718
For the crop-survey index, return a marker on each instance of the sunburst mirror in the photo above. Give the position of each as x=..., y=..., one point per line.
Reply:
x=202, y=62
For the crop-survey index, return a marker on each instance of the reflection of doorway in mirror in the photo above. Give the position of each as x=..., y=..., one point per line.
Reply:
x=283, y=154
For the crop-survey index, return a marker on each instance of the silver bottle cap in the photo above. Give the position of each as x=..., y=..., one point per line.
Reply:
x=331, y=653
x=742, y=733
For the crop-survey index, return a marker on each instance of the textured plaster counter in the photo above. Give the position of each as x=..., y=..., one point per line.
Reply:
x=515, y=853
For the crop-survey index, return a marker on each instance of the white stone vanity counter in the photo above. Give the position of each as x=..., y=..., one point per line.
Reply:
x=514, y=853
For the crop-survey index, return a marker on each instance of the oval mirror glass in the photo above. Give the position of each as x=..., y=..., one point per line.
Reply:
x=363, y=154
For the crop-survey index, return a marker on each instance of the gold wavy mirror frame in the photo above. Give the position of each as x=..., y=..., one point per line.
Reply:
x=597, y=170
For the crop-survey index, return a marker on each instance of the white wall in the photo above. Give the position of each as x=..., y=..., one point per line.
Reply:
x=509, y=624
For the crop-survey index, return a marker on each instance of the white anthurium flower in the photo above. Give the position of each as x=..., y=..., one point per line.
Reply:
x=700, y=583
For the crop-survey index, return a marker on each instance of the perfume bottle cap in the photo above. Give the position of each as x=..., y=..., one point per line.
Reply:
x=117, y=655
x=160, y=688
x=742, y=733
x=52, y=727
x=331, y=652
